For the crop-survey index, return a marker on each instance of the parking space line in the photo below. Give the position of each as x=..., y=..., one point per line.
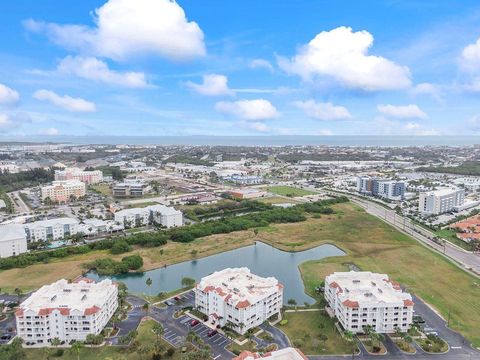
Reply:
x=216, y=357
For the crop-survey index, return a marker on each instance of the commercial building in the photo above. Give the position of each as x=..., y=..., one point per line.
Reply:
x=63, y=191
x=440, y=201
x=130, y=188
x=283, y=354
x=67, y=311
x=51, y=229
x=248, y=193
x=159, y=214
x=236, y=297
x=363, y=298
x=13, y=240
x=388, y=189
x=244, y=179
x=88, y=177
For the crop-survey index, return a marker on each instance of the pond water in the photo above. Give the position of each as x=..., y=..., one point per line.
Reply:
x=261, y=259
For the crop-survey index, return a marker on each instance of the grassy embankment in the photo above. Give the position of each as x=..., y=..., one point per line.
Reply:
x=369, y=243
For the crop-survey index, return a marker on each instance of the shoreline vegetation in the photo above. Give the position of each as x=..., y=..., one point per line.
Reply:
x=369, y=244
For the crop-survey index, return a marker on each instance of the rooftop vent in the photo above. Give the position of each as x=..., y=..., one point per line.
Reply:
x=53, y=298
x=84, y=297
x=356, y=281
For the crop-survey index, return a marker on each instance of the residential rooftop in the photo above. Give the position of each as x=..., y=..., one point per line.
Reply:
x=11, y=232
x=238, y=286
x=83, y=295
x=364, y=288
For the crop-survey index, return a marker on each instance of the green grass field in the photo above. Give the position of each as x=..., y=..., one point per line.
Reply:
x=101, y=188
x=289, y=191
x=305, y=329
x=451, y=236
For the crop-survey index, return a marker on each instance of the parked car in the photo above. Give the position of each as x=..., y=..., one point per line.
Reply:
x=194, y=322
x=212, y=333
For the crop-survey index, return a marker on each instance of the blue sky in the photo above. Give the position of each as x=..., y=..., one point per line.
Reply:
x=156, y=67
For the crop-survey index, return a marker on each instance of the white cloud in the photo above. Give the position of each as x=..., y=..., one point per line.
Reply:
x=470, y=58
x=66, y=102
x=433, y=90
x=126, y=28
x=343, y=55
x=323, y=111
x=213, y=85
x=12, y=121
x=402, y=111
x=261, y=64
x=93, y=69
x=50, y=131
x=412, y=126
x=251, y=110
x=474, y=122
x=8, y=96
x=258, y=126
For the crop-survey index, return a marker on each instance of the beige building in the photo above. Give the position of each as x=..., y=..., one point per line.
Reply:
x=88, y=177
x=63, y=191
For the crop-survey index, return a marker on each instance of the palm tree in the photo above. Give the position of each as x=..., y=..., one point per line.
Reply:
x=348, y=335
x=55, y=342
x=76, y=347
x=18, y=291
x=398, y=332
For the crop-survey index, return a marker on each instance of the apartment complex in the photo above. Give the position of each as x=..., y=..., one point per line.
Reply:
x=130, y=188
x=63, y=191
x=440, y=201
x=283, y=354
x=236, y=297
x=13, y=240
x=159, y=214
x=51, y=229
x=86, y=176
x=67, y=311
x=363, y=298
x=388, y=189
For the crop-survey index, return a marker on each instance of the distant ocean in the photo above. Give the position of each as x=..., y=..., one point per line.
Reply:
x=340, y=140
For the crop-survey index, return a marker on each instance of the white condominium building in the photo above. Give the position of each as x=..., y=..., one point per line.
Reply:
x=86, y=176
x=364, y=298
x=13, y=240
x=67, y=311
x=51, y=229
x=238, y=298
x=131, y=188
x=440, y=201
x=63, y=191
x=283, y=354
x=160, y=214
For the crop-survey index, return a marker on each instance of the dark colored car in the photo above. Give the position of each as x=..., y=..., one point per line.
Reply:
x=194, y=322
x=212, y=333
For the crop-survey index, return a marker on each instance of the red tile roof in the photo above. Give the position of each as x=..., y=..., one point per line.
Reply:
x=350, y=303
x=48, y=311
x=242, y=304
x=408, y=302
x=91, y=310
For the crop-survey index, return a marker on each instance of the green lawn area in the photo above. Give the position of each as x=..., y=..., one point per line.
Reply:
x=433, y=345
x=142, y=204
x=277, y=200
x=450, y=235
x=305, y=329
x=375, y=246
x=101, y=188
x=289, y=191
x=145, y=337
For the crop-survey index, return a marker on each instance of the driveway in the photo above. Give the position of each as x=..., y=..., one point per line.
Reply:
x=132, y=321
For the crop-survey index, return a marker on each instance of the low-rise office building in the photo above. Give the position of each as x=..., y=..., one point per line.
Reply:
x=247, y=193
x=238, y=298
x=51, y=229
x=86, y=176
x=67, y=311
x=363, y=298
x=154, y=214
x=130, y=188
x=13, y=240
x=440, y=201
x=63, y=191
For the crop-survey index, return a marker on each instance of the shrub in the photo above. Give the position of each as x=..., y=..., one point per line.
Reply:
x=120, y=247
